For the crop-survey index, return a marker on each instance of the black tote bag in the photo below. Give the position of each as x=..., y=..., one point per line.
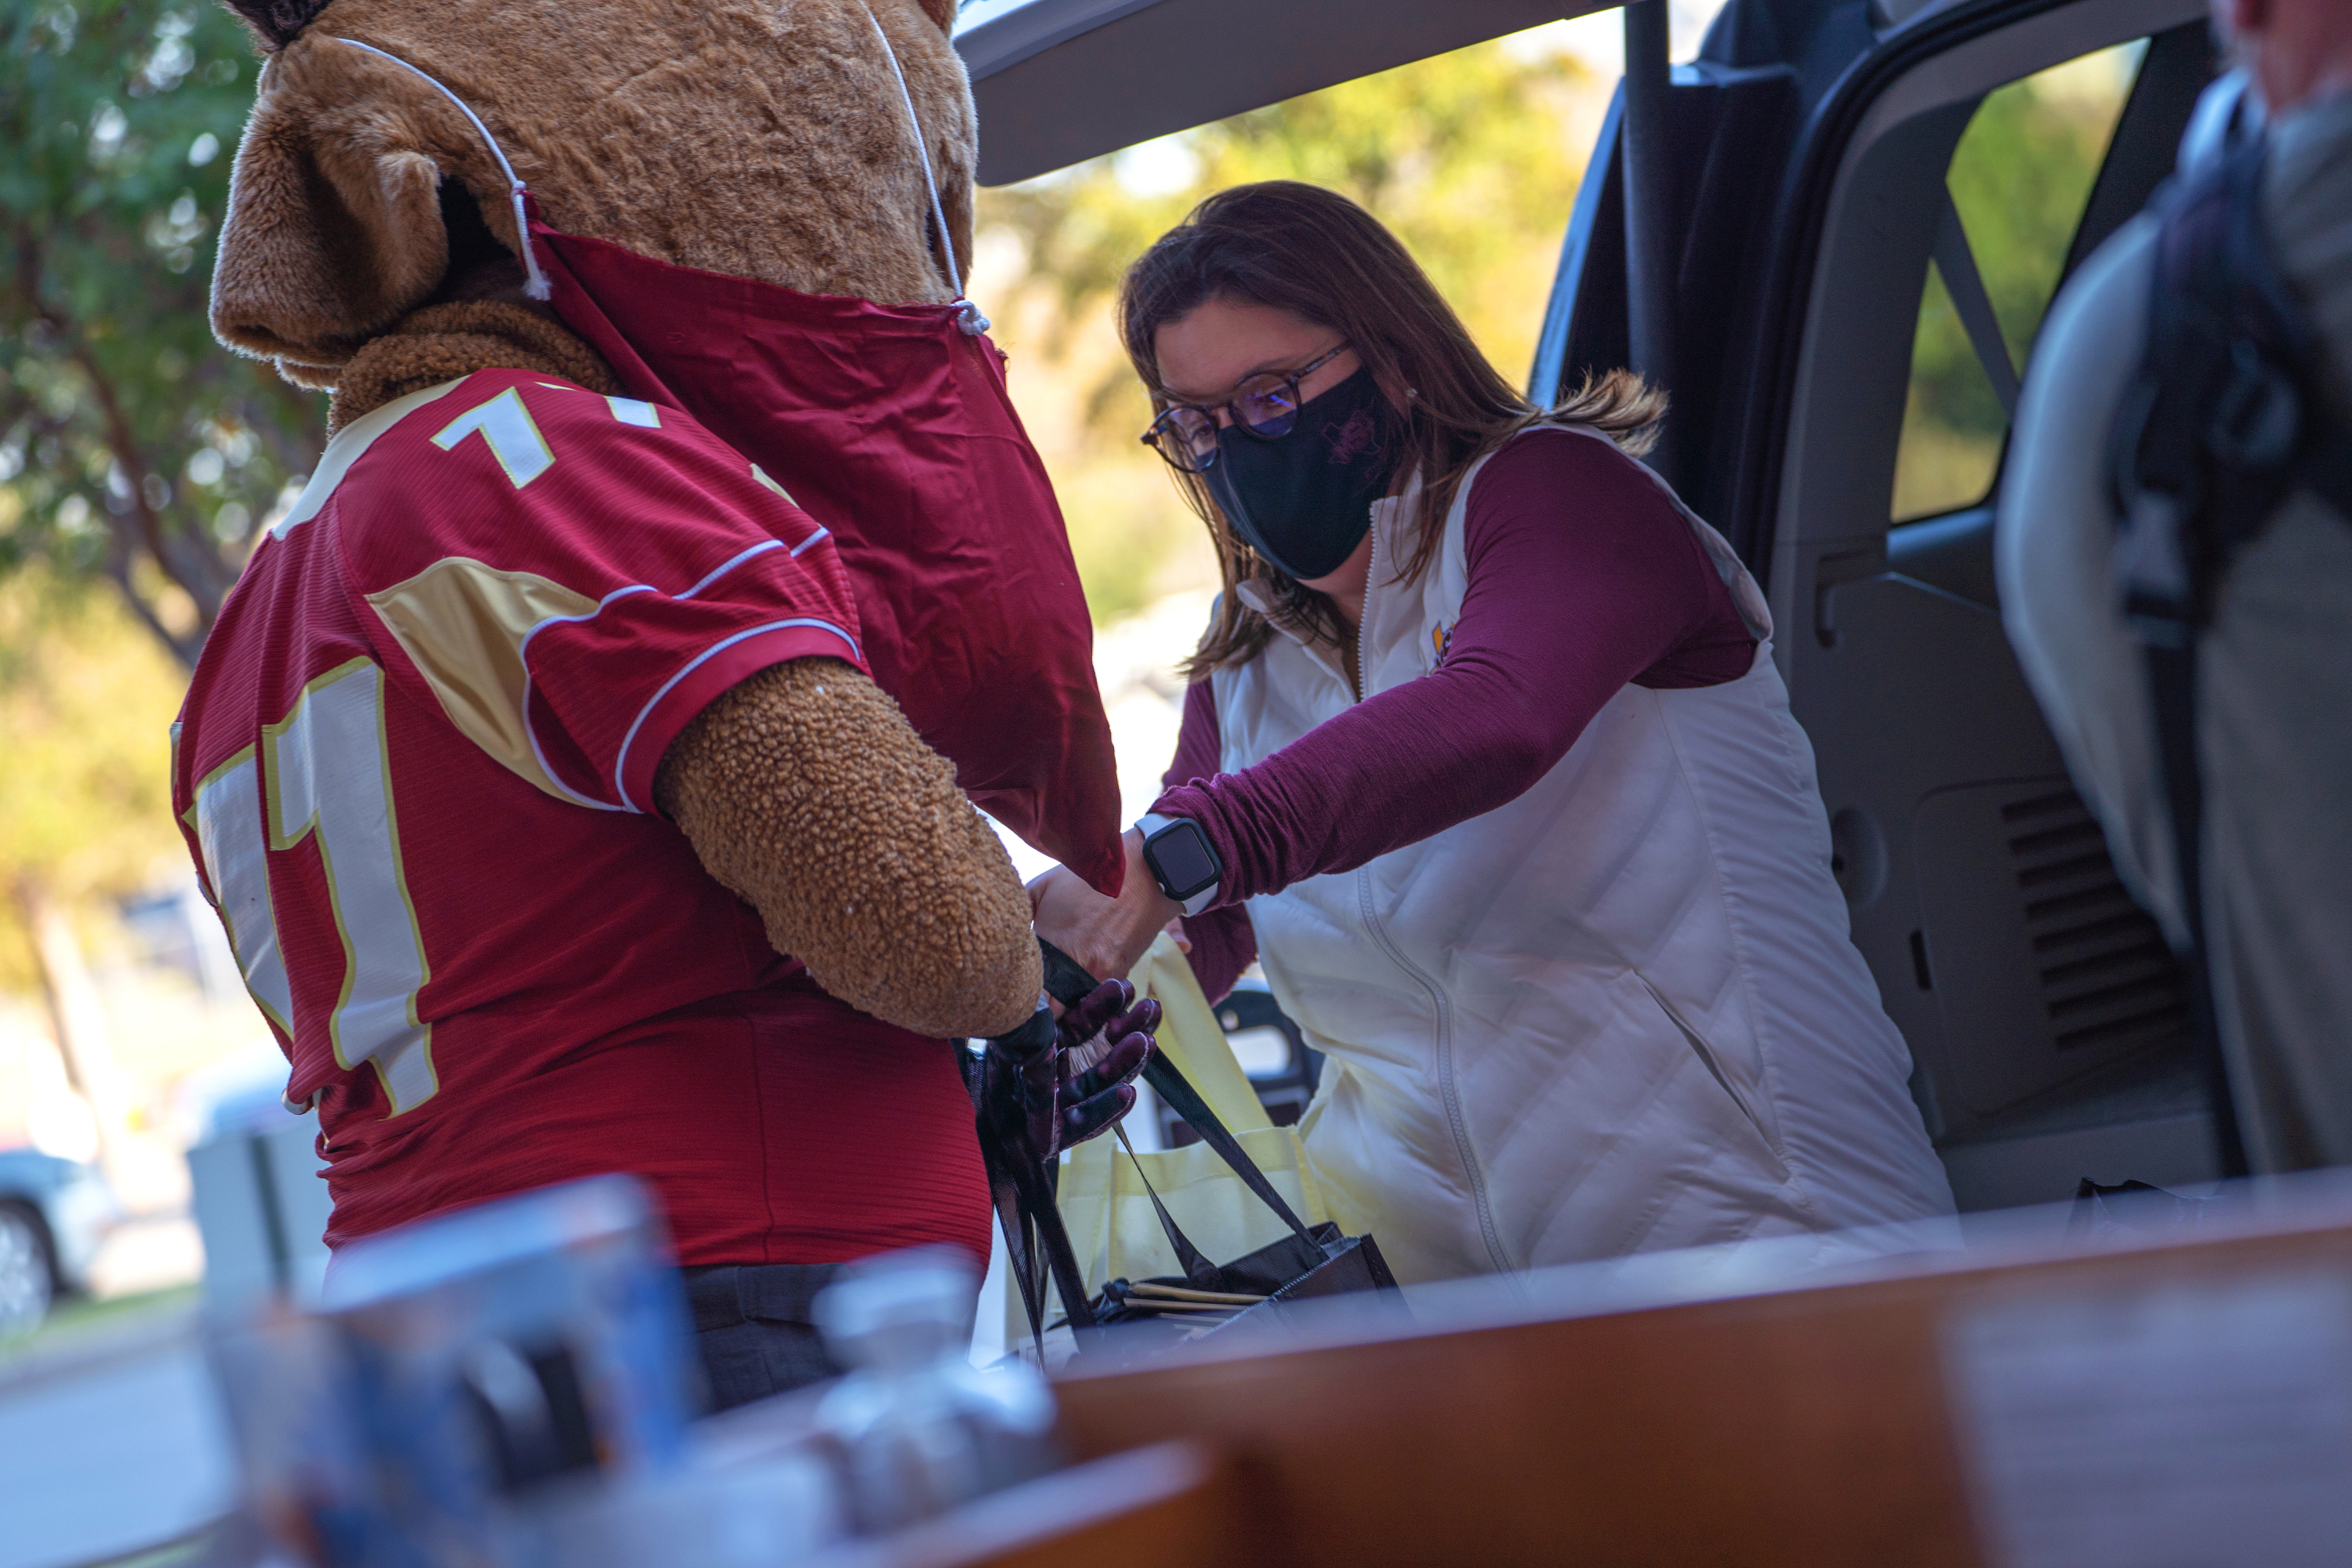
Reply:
x=1312, y=1261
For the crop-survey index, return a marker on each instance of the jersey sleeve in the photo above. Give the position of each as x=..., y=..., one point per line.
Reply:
x=576, y=576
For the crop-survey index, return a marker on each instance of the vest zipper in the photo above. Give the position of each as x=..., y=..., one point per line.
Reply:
x=1448, y=1094
x=1364, y=617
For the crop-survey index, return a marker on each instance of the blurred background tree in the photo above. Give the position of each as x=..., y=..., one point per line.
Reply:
x=86, y=798
x=85, y=803
x=1472, y=158
x=138, y=460
x=132, y=447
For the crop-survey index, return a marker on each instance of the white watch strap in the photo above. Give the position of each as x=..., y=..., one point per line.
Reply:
x=1151, y=822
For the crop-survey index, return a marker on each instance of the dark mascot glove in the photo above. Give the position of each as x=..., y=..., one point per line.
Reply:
x=1045, y=1091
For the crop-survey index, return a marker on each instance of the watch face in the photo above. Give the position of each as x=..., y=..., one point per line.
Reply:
x=1181, y=855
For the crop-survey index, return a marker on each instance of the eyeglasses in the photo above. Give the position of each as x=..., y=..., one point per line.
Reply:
x=1265, y=406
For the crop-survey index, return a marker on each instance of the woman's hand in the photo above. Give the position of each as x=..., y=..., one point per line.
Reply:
x=1109, y=936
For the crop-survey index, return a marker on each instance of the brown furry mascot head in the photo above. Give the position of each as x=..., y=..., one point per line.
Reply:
x=767, y=141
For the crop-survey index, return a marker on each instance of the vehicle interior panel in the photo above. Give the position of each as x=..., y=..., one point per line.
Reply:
x=1060, y=80
x=2045, y=1015
x=2043, y=1012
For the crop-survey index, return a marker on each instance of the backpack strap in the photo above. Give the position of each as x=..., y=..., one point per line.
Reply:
x=2171, y=674
x=2326, y=471
x=2221, y=423
x=2225, y=417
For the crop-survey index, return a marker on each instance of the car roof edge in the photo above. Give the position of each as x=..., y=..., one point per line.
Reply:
x=1059, y=82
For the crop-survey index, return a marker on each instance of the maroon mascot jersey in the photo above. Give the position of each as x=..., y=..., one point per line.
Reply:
x=416, y=766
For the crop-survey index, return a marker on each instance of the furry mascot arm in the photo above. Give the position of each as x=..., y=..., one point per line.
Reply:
x=804, y=792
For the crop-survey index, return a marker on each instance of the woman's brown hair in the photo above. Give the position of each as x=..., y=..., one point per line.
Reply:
x=1319, y=256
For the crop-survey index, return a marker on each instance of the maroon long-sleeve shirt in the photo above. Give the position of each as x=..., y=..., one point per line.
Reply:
x=1583, y=578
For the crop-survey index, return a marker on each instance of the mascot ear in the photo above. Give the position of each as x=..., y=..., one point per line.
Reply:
x=943, y=11
x=334, y=228
x=277, y=23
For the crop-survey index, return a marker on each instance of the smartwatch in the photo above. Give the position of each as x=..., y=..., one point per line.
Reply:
x=1182, y=859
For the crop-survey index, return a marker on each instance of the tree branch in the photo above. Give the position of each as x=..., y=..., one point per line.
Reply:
x=118, y=572
x=123, y=442
x=28, y=283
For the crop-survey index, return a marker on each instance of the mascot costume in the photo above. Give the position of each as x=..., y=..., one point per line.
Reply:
x=583, y=766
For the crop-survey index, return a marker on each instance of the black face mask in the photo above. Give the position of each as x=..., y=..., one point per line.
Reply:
x=1303, y=500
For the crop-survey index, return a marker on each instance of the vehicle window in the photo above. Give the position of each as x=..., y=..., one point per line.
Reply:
x=2019, y=183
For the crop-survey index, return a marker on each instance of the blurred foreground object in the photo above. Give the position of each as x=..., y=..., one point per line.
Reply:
x=918, y=1428
x=527, y=1338
x=2163, y=1390
x=458, y=1366
x=2175, y=562
x=2171, y=1393
x=511, y=1386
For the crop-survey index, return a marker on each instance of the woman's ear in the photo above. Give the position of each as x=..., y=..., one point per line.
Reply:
x=334, y=228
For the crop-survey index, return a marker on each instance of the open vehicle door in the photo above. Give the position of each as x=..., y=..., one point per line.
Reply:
x=1786, y=235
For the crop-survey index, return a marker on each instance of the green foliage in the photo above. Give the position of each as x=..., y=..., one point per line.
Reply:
x=1465, y=156
x=2020, y=179
x=1472, y=158
x=86, y=702
x=132, y=446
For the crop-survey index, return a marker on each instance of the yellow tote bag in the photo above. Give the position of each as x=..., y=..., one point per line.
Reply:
x=1113, y=1231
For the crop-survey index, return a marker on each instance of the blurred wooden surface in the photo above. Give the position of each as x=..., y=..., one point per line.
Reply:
x=1162, y=1506
x=1805, y=1426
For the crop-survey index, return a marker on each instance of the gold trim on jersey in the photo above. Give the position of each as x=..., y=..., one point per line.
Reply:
x=760, y=474
x=463, y=624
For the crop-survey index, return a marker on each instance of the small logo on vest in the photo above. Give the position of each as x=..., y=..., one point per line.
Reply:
x=1441, y=639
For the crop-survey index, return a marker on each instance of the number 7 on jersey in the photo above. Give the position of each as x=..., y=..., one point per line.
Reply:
x=322, y=774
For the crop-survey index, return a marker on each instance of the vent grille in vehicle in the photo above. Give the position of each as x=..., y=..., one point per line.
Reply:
x=2107, y=977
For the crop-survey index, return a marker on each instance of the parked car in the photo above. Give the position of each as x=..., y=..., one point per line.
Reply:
x=53, y=1215
x=1794, y=235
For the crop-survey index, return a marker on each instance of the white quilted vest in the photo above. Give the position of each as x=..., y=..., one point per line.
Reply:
x=1622, y=1013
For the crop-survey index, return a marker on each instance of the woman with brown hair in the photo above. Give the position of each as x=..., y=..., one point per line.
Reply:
x=1486, y=760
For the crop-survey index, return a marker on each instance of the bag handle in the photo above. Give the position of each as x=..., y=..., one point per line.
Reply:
x=1197, y=1269
x=1068, y=983
x=1022, y=1195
